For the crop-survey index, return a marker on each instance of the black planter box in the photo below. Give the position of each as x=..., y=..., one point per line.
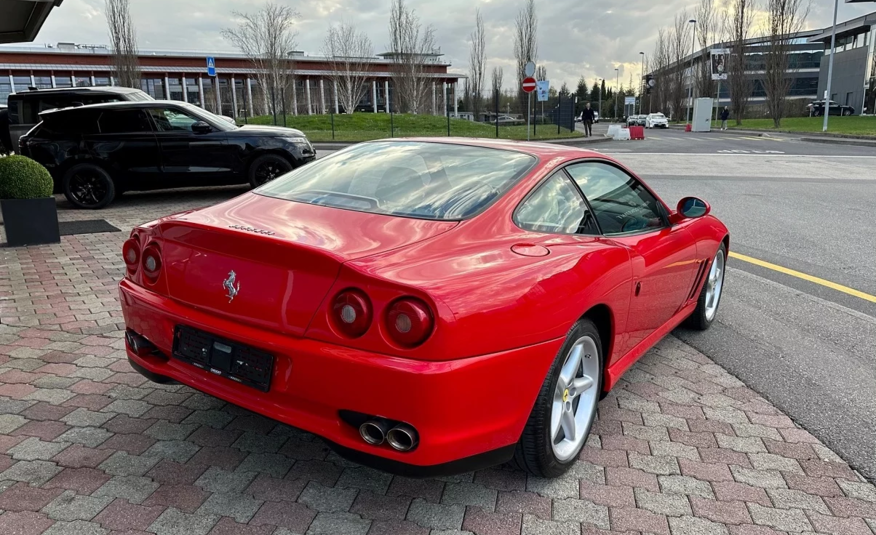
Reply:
x=30, y=221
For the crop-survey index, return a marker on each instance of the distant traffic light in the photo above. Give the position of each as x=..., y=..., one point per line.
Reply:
x=649, y=83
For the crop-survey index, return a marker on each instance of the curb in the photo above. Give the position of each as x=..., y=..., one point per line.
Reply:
x=858, y=142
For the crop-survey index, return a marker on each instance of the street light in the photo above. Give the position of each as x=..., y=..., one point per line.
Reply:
x=641, y=93
x=616, y=91
x=830, y=62
x=693, y=23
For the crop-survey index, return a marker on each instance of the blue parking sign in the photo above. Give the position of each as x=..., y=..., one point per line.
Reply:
x=211, y=66
x=542, y=88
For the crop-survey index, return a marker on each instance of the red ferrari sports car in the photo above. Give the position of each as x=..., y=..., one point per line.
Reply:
x=427, y=307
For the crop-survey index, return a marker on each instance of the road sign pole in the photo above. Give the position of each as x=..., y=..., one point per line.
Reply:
x=528, y=113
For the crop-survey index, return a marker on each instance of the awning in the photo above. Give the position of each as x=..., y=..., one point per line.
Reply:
x=21, y=20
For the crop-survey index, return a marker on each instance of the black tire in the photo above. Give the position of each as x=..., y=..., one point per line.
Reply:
x=89, y=186
x=699, y=320
x=266, y=168
x=534, y=453
x=847, y=113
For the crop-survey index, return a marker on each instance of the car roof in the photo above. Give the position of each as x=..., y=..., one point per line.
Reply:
x=80, y=90
x=539, y=150
x=115, y=105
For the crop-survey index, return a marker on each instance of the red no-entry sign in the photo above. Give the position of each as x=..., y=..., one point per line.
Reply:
x=529, y=84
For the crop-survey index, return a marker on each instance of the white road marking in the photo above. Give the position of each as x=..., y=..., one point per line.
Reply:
x=744, y=151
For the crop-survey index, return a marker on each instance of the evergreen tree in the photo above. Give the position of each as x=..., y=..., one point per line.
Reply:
x=594, y=93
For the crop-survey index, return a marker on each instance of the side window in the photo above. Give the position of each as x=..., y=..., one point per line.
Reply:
x=556, y=207
x=123, y=122
x=620, y=203
x=172, y=120
x=70, y=124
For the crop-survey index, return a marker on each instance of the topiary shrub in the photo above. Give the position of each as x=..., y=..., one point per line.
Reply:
x=23, y=178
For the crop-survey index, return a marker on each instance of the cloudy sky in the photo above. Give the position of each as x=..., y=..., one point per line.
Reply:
x=575, y=37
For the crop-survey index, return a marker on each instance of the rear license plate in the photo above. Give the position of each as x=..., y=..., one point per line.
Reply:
x=238, y=362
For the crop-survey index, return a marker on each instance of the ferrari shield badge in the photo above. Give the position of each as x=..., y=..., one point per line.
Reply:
x=230, y=287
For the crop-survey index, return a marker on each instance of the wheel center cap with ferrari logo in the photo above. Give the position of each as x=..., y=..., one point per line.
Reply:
x=566, y=395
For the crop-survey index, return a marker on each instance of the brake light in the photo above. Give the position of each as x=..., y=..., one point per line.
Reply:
x=131, y=254
x=351, y=313
x=409, y=322
x=151, y=263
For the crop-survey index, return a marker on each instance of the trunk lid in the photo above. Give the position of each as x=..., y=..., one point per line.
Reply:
x=284, y=256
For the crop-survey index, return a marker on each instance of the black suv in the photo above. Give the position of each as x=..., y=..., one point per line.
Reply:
x=97, y=152
x=25, y=106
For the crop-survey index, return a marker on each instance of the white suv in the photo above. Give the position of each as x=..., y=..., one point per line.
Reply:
x=656, y=120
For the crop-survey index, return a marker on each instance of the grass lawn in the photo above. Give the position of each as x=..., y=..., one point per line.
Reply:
x=858, y=126
x=367, y=126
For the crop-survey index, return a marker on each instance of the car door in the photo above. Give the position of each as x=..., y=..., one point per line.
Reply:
x=664, y=259
x=190, y=157
x=125, y=144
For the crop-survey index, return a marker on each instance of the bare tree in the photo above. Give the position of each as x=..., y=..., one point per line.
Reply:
x=525, y=45
x=678, y=43
x=541, y=73
x=477, y=65
x=266, y=37
x=707, y=30
x=498, y=75
x=784, y=19
x=413, y=46
x=739, y=18
x=660, y=61
x=126, y=68
x=348, y=51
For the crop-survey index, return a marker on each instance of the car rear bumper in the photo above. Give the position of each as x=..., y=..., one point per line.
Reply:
x=469, y=413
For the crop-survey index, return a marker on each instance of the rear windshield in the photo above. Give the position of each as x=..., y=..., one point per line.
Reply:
x=405, y=178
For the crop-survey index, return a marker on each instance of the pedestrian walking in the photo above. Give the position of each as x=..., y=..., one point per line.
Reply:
x=724, y=116
x=587, y=119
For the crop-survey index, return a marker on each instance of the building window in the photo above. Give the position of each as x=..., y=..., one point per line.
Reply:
x=101, y=81
x=21, y=83
x=154, y=87
x=63, y=81
x=5, y=88
x=83, y=81
x=176, y=91
x=42, y=82
x=193, y=93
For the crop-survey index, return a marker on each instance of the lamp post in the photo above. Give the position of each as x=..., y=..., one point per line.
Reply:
x=600, y=97
x=830, y=67
x=693, y=47
x=616, y=91
x=641, y=93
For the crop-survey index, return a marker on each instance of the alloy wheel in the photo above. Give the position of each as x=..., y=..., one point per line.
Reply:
x=575, y=398
x=714, y=285
x=268, y=171
x=88, y=188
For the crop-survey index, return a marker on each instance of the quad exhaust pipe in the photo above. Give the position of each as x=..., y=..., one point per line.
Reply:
x=400, y=436
x=403, y=437
x=374, y=431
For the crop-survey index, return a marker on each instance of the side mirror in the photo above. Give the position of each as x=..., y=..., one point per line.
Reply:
x=690, y=208
x=201, y=127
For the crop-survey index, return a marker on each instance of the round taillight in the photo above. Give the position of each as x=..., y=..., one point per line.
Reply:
x=409, y=322
x=351, y=313
x=131, y=254
x=151, y=262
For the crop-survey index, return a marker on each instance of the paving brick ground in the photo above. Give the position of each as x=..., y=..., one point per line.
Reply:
x=89, y=447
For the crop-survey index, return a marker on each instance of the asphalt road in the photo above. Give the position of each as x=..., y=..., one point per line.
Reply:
x=809, y=207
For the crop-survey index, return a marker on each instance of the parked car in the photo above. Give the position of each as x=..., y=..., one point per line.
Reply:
x=25, y=106
x=656, y=120
x=816, y=109
x=99, y=151
x=636, y=120
x=355, y=298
